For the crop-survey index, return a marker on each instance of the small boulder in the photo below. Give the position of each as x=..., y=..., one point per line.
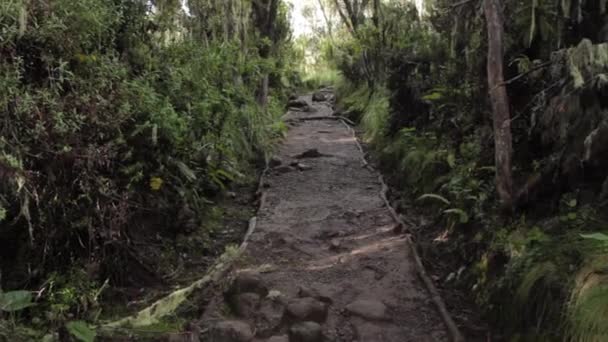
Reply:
x=246, y=304
x=270, y=317
x=304, y=167
x=297, y=103
x=368, y=309
x=398, y=228
x=275, y=161
x=335, y=245
x=319, y=96
x=307, y=309
x=246, y=282
x=231, y=331
x=306, y=332
x=283, y=338
x=311, y=153
x=319, y=291
x=283, y=169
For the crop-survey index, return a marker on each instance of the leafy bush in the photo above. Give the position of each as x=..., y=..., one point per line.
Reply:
x=117, y=118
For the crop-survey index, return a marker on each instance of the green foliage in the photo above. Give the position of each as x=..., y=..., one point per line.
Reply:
x=70, y=295
x=433, y=137
x=81, y=331
x=587, y=315
x=435, y=197
x=121, y=118
x=596, y=236
x=13, y=301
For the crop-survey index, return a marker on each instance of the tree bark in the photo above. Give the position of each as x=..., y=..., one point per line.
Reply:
x=376, y=14
x=345, y=18
x=265, y=14
x=500, y=104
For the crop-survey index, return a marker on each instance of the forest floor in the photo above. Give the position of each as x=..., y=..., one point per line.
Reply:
x=324, y=262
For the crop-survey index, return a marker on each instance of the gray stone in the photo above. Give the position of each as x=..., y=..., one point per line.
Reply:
x=368, y=309
x=306, y=332
x=283, y=169
x=231, y=331
x=297, y=103
x=283, y=338
x=312, y=153
x=245, y=282
x=320, y=292
x=275, y=161
x=307, y=309
x=246, y=304
x=335, y=245
x=319, y=96
x=304, y=167
x=270, y=317
x=398, y=229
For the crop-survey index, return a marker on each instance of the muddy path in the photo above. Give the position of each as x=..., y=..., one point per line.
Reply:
x=324, y=262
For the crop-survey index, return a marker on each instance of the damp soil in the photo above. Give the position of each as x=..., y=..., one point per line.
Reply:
x=325, y=262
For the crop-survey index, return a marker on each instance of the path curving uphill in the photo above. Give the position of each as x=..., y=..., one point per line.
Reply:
x=324, y=262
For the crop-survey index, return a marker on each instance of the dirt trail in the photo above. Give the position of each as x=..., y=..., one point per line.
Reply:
x=323, y=263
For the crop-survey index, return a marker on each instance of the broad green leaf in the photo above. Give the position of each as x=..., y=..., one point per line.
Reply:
x=572, y=203
x=15, y=300
x=595, y=236
x=572, y=216
x=434, y=96
x=81, y=331
x=464, y=217
x=451, y=160
x=186, y=171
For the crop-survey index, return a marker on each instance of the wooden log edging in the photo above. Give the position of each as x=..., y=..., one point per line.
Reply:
x=453, y=330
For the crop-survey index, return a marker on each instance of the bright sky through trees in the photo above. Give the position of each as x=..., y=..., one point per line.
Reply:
x=302, y=26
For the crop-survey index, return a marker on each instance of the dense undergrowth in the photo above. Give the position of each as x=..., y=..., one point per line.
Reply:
x=123, y=120
x=417, y=84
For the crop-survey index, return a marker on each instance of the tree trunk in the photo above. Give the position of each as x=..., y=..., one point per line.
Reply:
x=266, y=13
x=376, y=14
x=500, y=104
x=350, y=26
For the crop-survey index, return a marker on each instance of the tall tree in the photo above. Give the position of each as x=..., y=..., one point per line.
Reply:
x=352, y=13
x=328, y=22
x=265, y=15
x=500, y=103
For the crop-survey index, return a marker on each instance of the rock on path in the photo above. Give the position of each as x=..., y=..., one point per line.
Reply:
x=324, y=263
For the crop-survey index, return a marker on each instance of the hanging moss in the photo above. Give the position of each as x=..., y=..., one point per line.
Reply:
x=587, y=63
